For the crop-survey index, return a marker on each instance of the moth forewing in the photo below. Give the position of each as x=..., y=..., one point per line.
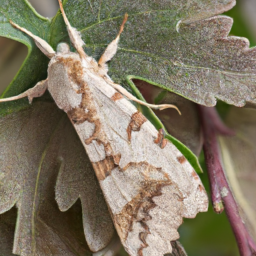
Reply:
x=149, y=186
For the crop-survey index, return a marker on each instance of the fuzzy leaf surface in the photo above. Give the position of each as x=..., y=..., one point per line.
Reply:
x=39, y=149
x=177, y=45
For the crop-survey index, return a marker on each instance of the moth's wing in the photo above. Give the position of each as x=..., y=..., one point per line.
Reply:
x=148, y=189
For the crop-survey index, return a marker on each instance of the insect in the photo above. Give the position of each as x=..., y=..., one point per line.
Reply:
x=148, y=184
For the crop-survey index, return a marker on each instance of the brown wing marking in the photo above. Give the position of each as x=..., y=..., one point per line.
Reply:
x=104, y=167
x=181, y=159
x=142, y=202
x=137, y=120
x=117, y=96
x=74, y=69
x=86, y=110
x=138, y=210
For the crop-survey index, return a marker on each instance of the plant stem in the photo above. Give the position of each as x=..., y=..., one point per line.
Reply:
x=220, y=191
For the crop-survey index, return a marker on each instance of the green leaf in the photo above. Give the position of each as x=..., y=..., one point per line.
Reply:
x=171, y=45
x=35, y=66
x=168, y=43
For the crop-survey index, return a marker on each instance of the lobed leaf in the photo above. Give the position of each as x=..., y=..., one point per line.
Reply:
x=47, y=149
x=171, y=44
x=176, y=45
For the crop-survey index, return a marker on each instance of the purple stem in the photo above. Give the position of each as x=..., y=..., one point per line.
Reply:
x=220, y=190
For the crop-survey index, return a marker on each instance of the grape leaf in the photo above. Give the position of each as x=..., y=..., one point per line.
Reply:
x=40, y=148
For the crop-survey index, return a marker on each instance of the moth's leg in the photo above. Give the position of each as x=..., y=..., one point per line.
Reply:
x=133, y=98
x=112, y=47
x=74, y=35
x=37, y=91
x=41, y=44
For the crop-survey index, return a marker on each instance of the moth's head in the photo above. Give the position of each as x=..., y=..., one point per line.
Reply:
x=63, y=48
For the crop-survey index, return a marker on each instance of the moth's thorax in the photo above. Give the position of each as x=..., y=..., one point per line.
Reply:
x=70, y=77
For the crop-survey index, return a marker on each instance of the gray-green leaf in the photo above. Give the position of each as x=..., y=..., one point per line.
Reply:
x=39, y=147
x=169, y=43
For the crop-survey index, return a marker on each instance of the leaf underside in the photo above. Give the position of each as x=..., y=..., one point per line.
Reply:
x=48, y=156
x=177, y=45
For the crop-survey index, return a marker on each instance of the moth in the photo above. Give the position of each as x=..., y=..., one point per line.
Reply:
x=148, y=184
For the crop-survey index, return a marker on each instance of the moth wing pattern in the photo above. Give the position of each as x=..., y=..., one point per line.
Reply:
x=148, y=188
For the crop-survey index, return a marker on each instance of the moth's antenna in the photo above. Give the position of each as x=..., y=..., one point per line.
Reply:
x=74, y=35
x=41, y=44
